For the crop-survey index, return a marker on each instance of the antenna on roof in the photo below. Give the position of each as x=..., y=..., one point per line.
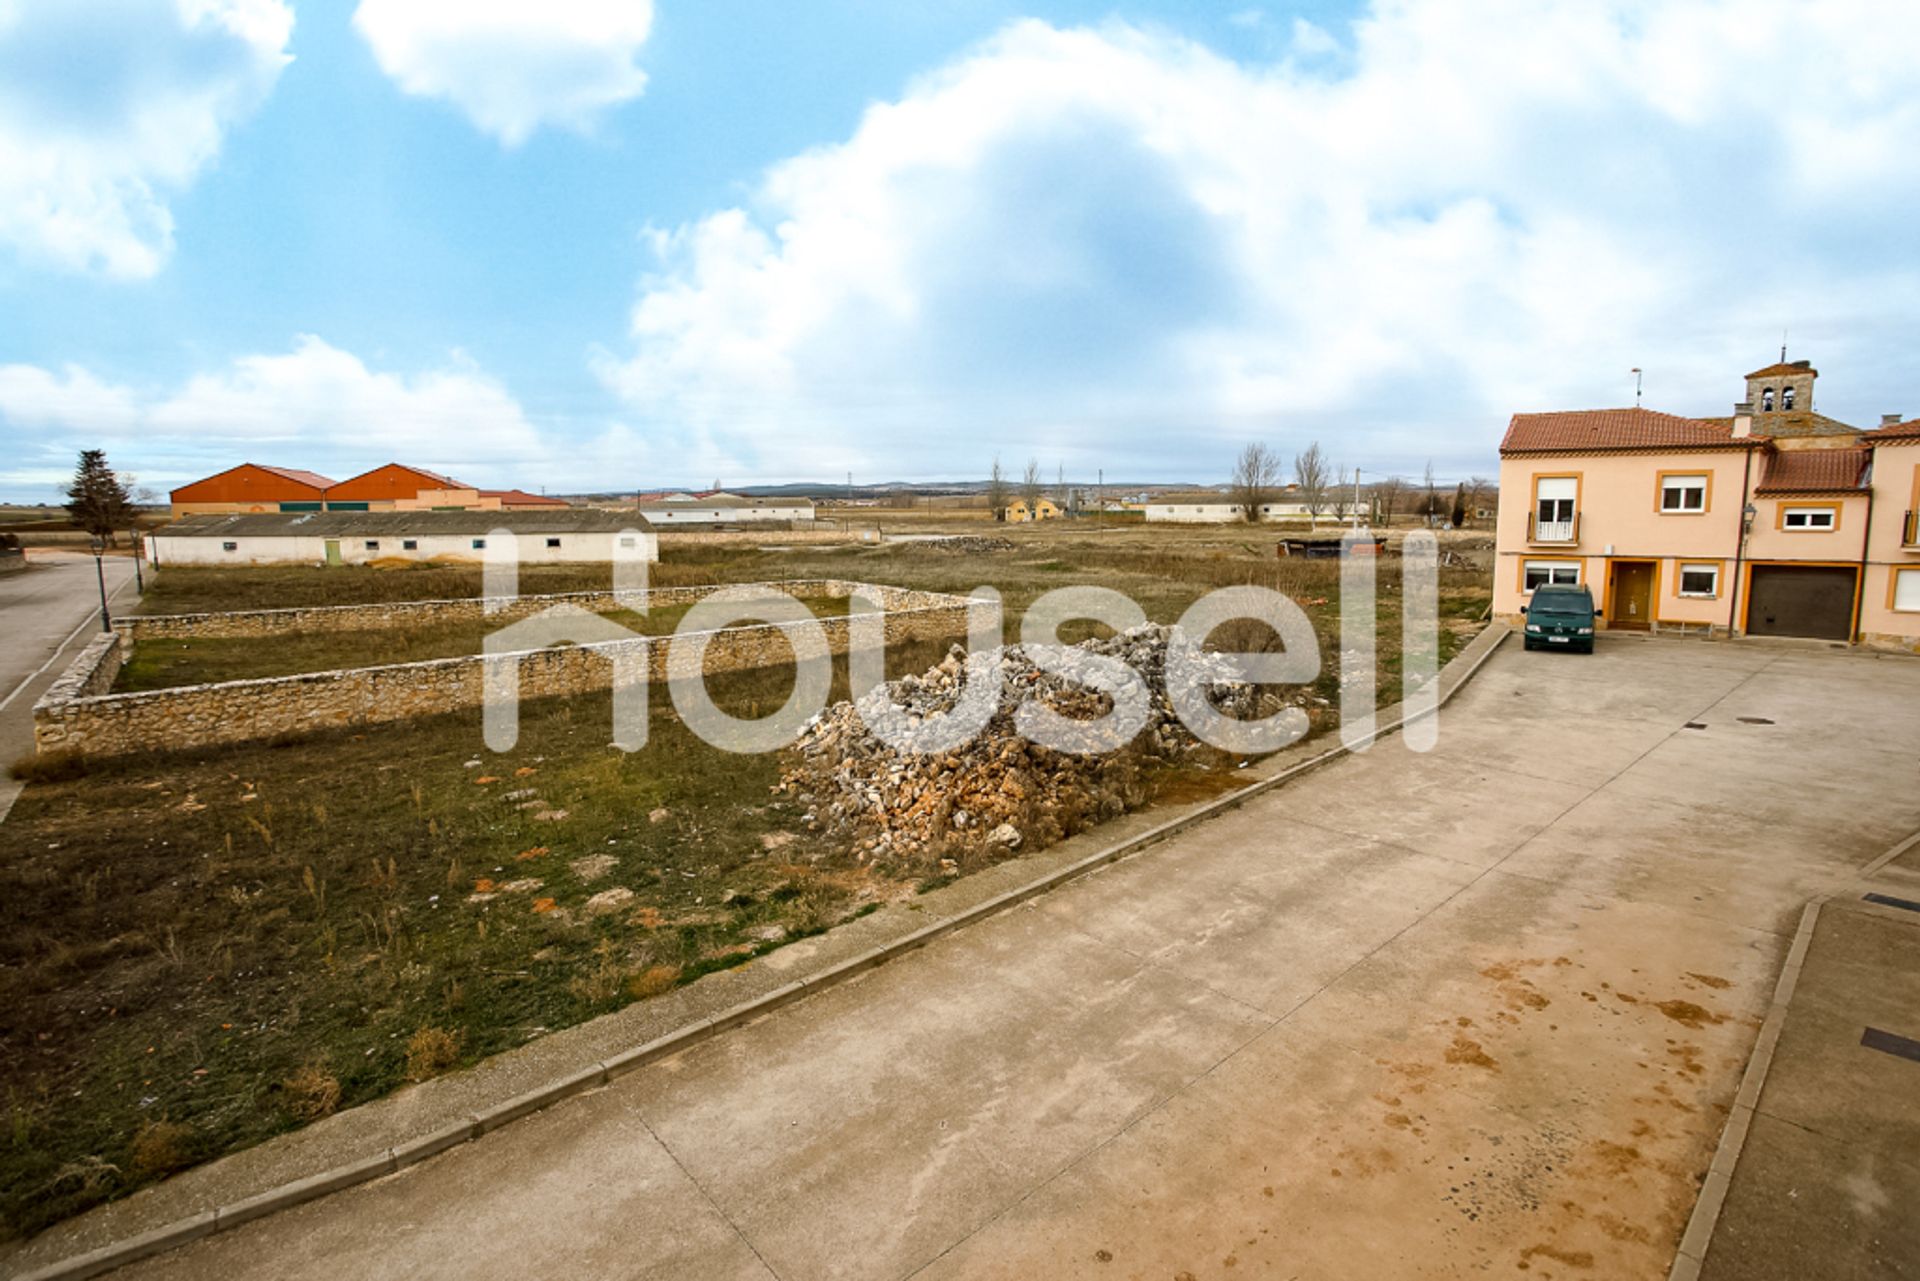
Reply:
x=1636, y=386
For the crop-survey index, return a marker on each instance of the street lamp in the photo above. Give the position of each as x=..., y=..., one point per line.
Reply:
x=139, y=579
x=100, y=572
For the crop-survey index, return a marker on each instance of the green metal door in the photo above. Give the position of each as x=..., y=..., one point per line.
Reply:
x=333, y=551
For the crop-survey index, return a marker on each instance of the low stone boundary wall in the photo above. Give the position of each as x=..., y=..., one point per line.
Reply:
x=502, y=609
x=77, y=714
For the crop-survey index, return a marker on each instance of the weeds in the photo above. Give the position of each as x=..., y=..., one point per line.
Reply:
x=431, y=1051
x=311, y=1093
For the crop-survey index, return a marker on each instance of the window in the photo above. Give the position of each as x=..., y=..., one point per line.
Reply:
x=1550, y=573
x=1700, y=580
x=553, y=542
x=409, y=544
x=373, y=544
x=627, y=541
x=229, y=547
x=1808, y=518
x=1786, y=398
x=1555, y=498
x=1766, y=401
x=479, y=544
x=1683, y=493
x=1906, y=590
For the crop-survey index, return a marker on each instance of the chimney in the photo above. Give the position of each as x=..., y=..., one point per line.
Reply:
x=1888, y=420
x=1743, y=419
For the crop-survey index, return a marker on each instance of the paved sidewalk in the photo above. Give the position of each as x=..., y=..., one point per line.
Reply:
x=45, y=612
x=1829, y=1177
x=1479, y=1011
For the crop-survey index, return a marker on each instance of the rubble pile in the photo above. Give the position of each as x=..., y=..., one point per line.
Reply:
x=999, y=791
x=971, y=544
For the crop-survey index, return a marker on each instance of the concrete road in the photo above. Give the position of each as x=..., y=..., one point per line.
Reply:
x=1478, y=1012
x=46, y=615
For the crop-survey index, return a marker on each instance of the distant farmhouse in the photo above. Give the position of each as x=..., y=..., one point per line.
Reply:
x=1018, y=512
x=362, y=537
x=252, y=487
x=717, y=507
x=1210, y=507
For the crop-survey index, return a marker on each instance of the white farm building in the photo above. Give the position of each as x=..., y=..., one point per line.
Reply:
x=722, y=509
x=358, y=538
x=1208, y=507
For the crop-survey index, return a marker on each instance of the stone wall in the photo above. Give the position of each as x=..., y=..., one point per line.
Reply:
x=506, y=609
x=78, y=715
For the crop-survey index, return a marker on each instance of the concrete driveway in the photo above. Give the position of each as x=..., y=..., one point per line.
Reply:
x=45, y=617
x=1475, y=1012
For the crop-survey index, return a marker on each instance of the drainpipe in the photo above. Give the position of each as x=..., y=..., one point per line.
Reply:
x=1866, y=546
x=1742, y=428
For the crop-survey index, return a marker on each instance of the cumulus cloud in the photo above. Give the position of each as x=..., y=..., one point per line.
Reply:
x=314, y=406
x=107, y=107
x=1106, y=244
x=512, y=67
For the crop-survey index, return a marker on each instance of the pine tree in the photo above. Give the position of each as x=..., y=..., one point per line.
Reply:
x=97, y=500
x=1459, y=514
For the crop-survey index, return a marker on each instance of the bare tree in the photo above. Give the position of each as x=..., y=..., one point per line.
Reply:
x=1254, y=474
x=1478, y=487
x=1310, y=473
x=1387, y=494
x=1430, y=505
x=1030, y=487
x=997, y=489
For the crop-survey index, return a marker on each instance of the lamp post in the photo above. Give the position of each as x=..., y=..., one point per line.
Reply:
x=139, y=579
x=100, y=572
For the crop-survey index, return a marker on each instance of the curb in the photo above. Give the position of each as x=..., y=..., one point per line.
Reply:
x=399, y=1157
x=1692, y=1252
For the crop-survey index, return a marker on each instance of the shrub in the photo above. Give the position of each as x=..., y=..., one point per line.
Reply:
x=431, y=1051
x=654, y=980
x=48, y=767
x=312, y=1092
x=159, y=1147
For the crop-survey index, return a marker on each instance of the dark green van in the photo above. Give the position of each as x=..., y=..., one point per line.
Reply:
x=1560, y=618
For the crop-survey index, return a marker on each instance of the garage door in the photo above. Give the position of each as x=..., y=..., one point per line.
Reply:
x=1801, y=600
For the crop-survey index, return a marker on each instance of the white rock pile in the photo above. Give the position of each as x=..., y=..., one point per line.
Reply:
x=999, y=791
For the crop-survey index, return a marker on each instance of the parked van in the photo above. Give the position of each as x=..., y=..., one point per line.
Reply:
x=1560, y=618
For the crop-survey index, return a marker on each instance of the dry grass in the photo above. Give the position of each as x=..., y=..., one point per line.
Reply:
x=311, y=1093
x=431, y=1051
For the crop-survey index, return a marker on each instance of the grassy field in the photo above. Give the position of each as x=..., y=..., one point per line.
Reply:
x=201, y=950
x=167, y=662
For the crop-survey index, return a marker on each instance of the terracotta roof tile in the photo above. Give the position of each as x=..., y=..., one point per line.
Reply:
x=1613, y=429
x=1909, y=430
x=1784, y=370
x=1814, y=471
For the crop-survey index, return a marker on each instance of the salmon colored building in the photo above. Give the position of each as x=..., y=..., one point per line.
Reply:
x=1776, y=521
x=393, y=487
x=250, y=487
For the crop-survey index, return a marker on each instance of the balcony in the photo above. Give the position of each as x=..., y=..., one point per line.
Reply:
x=1550, y=532
x=1910, y=531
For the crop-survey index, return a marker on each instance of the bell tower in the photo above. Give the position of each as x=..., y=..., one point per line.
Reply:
x=1781, y=389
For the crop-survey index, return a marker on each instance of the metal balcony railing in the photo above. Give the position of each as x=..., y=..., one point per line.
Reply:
x=1553, y=531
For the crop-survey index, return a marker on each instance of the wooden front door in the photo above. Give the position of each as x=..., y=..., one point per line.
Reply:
x=1632, y=603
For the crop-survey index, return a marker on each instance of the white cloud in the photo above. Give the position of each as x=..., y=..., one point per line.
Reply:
x=314, y=406
x=1111, y=244
x=107, y=107
x=512, y=66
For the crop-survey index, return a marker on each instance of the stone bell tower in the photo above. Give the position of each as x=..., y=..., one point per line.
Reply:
x=1779, y=390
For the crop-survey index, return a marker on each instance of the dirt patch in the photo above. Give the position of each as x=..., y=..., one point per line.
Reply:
x=1467, y=1051
x=1687, y=1014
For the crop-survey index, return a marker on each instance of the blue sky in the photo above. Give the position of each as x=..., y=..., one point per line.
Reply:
x=594, y=245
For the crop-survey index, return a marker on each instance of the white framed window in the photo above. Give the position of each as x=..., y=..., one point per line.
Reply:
x=1700, y=580
x=1683, y=493
x=1549, y=573
x=1809, y=518
x=1555, y=500
x=1906, y=590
